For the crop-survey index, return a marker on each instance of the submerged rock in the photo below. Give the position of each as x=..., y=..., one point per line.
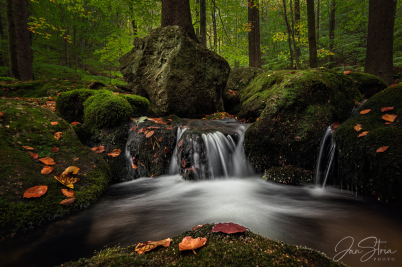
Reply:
x=178, y=75
x=362, y=168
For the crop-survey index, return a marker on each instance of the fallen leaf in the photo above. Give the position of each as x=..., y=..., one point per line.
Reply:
x=228, y=228
x=183, y=163
x=141, y=248
x=197, y=227
x=388, y=123
x=46, y=170
x=390, y=117
x=66, y=178
x=365, y=111
x=169, y=128
x=101, y=149
x=33, y=155
x=292, y=72
x=67, y=201
x=47, y=161
x=393, y=85
x=54, y=123
x=165, y=150
x=160, y=139
x=58, y=135
x=156, y=154
x=2, y=113
x=363, y=134
x=133, y=128
x=153, y=127
x=382, y=149
x=347, y=72
x=76, y=159
x=134, y=166
x=148, y=135
x=153, y=175
x=75, y=123
x=55, y=149
x=335, y=125
x=28, y=147
x=180, y=143
x=385, y=109
x=358, y=127
x=189, y=243
x=95, y=148
x=142, y=130
x=114, y=153
x=35, y=191
x=68, y=192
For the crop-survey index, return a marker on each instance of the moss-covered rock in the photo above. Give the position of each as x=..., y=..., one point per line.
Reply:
x=241, y=249
x=289, y=175
x=139, y=104
x=363, y=169
x=70, y=104
x=367, y=84
x=26, y=124
x=294, y=110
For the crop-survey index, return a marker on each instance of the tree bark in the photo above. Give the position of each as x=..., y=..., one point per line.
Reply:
x=197, y=18
x=289, y=32
x=177, y=12
x=131, y=8
x=317, y=31
x=331, y=34
x=379, y=53
x=214, y=25
x=293, y=37
x=2, y=37
x=12, y=43
x=297, y=23
x=254, y=50
x=203, y=22
x=312, y=43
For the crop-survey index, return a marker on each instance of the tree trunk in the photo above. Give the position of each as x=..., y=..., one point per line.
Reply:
x=214, y=24
x=312, y=43
x=131, y=8
x=331, y=34
x=177, y=12
x=2, y=37
x=289, y=32
x=293, y=37
x=317, y=31
x=203, y=22
x=12, y=43
x=197, y=18
x=254, y=50
x=379, y=53
x=297, y=23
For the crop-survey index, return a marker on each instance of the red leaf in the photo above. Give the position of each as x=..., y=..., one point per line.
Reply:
x=335, y=125
x=382, y=149
x=292, y=72
x=385, y=109
x=33, y=155
x=228, y=228
x=133, y=128
x=55, y=149
x=46, y=170
x=183, y=163
x=393, y=85
x=68, y=192
x=142, y=130
x=47, y=161
x=114, y=153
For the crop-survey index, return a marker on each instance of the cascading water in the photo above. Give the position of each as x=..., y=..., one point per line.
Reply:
x=325, y=158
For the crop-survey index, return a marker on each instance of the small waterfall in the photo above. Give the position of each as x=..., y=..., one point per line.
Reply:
x=325, y=158
x=174, y=165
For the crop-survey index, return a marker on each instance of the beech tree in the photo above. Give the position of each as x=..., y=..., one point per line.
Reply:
x=12, y=44
x=379, y=53
x=203, y=22
x=177, y=12
x=312, y=42
x=254, y=50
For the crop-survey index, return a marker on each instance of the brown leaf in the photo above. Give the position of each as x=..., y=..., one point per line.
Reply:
x=114, y=153
x=347, y=72
x=153, y=175
x=68, y=192
x=165, y=150
x=2, y=113
x=142, y=130
x=95, y=148
x=141, y=248
x=28, y=147
x=197, y=227
x=148, y=135
x=33, y=155
x=388, y=123
x=390, y=117
x=35, y=191
x=133, y=128
x=228, y=228
x=47, y=161
x=46, y=170
x=58, y=135
x=335, y=125
x=385, y=109
x=75, y=123
x=180, y=143
x=169, y=128
x=363, y=134
x=156, y=154
x=134, y=166
x=67, y=201
x=365, y=111
x=101, y=149
x=160, y=139
x=382, y=149
x=189, y=243
x=292, y=72
x=358, y=127
x=393, y=85
x=54, y=123
x=55, y=149
x=153, y=127
x=183, y=163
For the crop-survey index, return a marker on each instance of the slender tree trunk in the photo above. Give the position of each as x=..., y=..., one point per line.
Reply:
x=331, y=34
x=317, y=31
x=177, y=12
x=203, y=22
x=131, y=8
x=293, y=37
x=197, y=18
x=12, y=42
x=312, y=43
x=254, y=50
x=2, y=37
x=214, y=25
x=297, y=23
x=289, y=33
x=379, y=53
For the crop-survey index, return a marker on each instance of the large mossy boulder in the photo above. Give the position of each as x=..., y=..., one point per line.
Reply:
x=294, y=109
x=24, y=123
x=364, y=169
x=367, y=84
x=178, y=75
x=239, y=79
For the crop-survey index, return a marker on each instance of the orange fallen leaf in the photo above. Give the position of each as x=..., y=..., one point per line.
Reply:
x=347, y=72
x=114, y=153
x=133, y=128
x=142, y=130
x=388, y=123
x=58, y=135
x=35, y=191
x=183, y=163
x=55, y=149
x=141, y=248
x=189, y=243
x=46, y=170
x=365, y=111
x=67, y=201
x=169, y=128
x=393, y=85
x=101, y=149
x=382, y=149
x=66, y=178
x=68, y=192
x=363, y=134
x=156, y=154
x=2, y=113
x=28, y=147
x=33, y=155
x=165, y=150
x=358, y=127
x=95, y=148
x=180, y=143
x=390, y=117
x=153, y=127
x=160, y=139
x=148, y=135
x=134, y=166
x=54, y=123
x=47, y=161
x=75, y=123
x=385, y=109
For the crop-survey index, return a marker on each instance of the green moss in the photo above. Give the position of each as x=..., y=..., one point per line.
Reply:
x=139, y=104
x=241, y=249
x=289, y=175
x=70, y=104
x=363, y=168
x=367, y=84
x=26, y=124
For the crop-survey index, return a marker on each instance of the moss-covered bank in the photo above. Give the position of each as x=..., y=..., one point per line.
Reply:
x=241, y=249
x=363, y=169
x=26, y=124
x=367, y=84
